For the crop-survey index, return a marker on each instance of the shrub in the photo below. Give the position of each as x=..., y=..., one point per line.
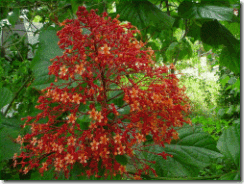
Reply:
x=108, y=99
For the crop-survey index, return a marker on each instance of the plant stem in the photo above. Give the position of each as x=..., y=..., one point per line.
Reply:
x=15, y=96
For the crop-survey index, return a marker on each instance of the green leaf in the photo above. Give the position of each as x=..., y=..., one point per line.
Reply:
x=7, y=144
x=230, y=110
x=97, y=4
x=13, y=17
x=194, y=31
x=179, y=50
x=75, y=173
x=207, y=47
x=122, y=159
x=232, y=80
x=224, y=80
x=149, y=139
x=172, y=51
x=178, y=23
x=75, y=4
x=6, y=97
x=84, y=122
x=229, y=144
x=37, y=18
x=4, y=12
x=230, y=59
x=47, y=175
x=185, y=50
x=84, y=107
x=231, y=176
x=125, y=110
x=215, y=34
x=117, y=96
x=192, y=10
x=10, y=122
x=221, y=112
x=48, y=49
x=216, y=2
x=233, y=27
x=153, y=45
x=193, y=151
x=144, y=14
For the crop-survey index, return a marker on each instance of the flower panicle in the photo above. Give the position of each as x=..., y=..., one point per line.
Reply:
x=111, y=100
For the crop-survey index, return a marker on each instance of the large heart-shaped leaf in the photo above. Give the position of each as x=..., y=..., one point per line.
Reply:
x=48, y=49
x=229, y=144
x=144, y=14
x=192, y=10
x=193, y=151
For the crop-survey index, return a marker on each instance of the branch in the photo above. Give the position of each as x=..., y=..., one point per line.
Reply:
x=186, y=29
x=160, y=5
x=167, y=6
x=15, y=96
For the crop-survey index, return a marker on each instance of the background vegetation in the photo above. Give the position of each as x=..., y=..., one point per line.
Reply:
x=180, y=32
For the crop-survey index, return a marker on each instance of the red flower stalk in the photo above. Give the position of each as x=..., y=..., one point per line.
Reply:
x=109, y=81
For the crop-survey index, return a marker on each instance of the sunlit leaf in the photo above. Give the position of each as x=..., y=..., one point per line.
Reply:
x=192, y=10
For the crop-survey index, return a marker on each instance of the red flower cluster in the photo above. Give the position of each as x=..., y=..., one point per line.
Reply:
x=110, y=82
